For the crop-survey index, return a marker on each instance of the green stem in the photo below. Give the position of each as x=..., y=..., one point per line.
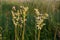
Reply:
x=38, y=34
x=23, y=27
x=55, y=34
x=35, y=34
x=16, y=35
x=23, y=32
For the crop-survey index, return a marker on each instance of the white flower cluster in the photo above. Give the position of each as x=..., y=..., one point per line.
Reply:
x=40, y=19
x=19, y=18
x=17, y=15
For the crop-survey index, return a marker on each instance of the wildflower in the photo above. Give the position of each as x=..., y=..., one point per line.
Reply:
x=25, y=9
x=40, y=19
x=39, y=28
x=13, y=14
x=21, y=6
x=37, y=12
x=17, y=22
x=46, y=15
x=19, y=15
x=21, y=12
x=21, y=25
x=43, y=17
x=17, y=19
x=14, y=22
x=14, y=8
x=43, y=24
x=22, y=21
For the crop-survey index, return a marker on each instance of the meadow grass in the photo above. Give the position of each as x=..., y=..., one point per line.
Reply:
x=48, y=31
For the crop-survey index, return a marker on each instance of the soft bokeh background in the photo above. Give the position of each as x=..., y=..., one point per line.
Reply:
x=52, y=27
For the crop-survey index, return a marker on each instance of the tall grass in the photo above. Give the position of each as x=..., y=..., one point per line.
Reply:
x=26, y=26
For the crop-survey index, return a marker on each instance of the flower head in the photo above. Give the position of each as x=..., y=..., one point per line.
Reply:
x=46, y=14
x=25, y=9
x=40, y=19
x=13, y=8
x=37, y=12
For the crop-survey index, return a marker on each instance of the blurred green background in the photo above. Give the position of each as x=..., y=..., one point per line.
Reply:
x=48, y=32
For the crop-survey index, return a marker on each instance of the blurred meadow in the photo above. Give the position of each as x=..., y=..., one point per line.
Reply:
x=29, y=19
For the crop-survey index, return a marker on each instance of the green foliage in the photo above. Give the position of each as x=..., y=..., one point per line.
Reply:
x=47, y=33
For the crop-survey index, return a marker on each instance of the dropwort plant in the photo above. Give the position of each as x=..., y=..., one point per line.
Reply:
x=20, y=15
x=15, y=19
x=25, y=9
x=40, y=20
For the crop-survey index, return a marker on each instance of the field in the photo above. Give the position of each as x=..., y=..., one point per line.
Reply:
x=30, y=20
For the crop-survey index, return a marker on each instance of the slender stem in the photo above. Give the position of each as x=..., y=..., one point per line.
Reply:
x=35, y=33
x=16, y=35
x=23, y=32
x=55, y=34
x=38, y=34
x=23, y=27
